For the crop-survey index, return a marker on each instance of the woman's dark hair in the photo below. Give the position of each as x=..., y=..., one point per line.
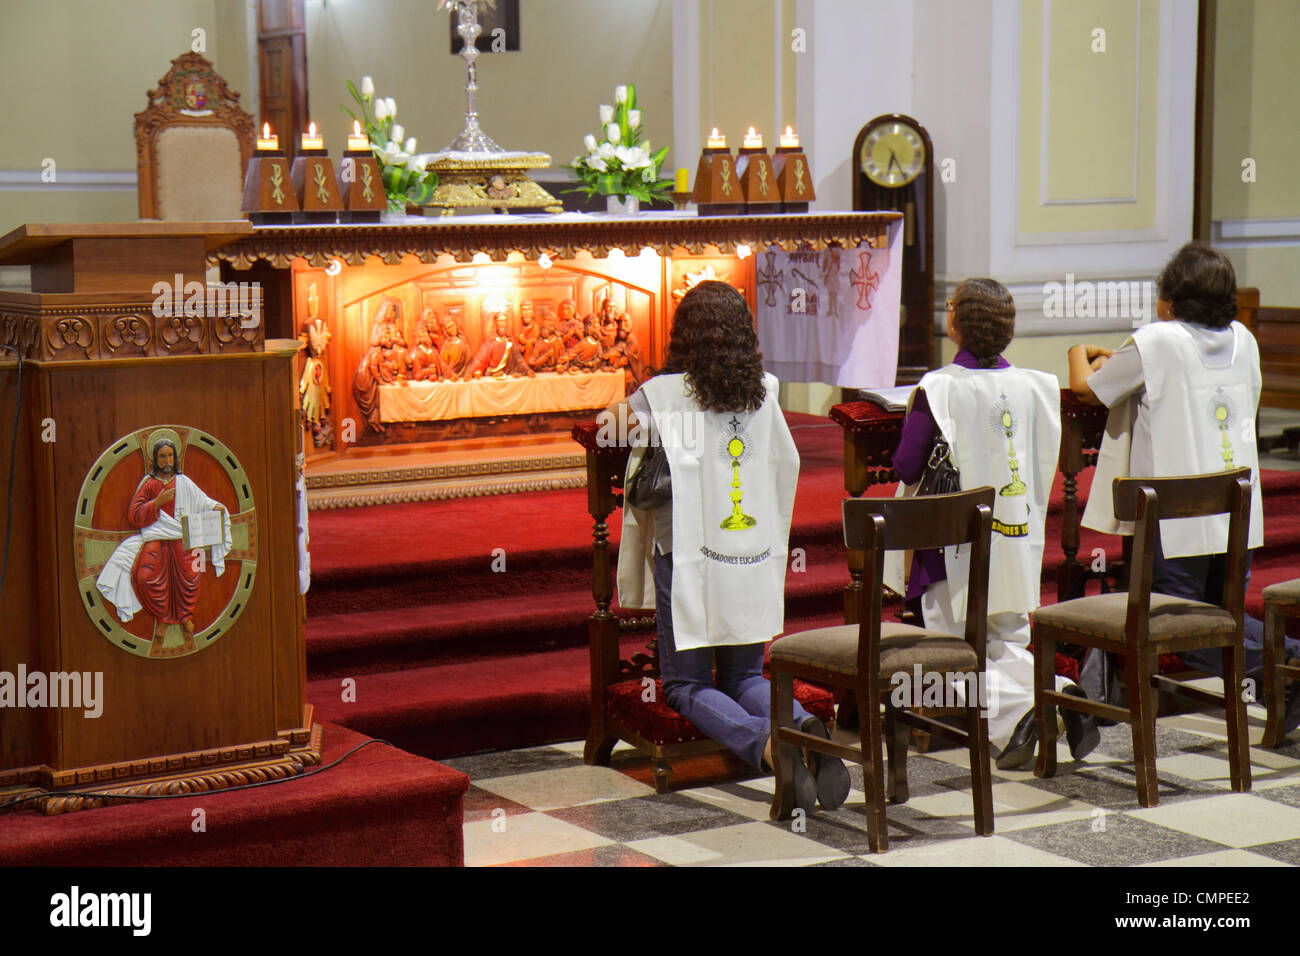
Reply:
x=714, y=344
x=1201, y=285
x=985, y=316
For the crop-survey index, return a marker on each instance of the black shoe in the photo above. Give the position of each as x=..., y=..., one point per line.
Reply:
x=805, y=786
x=831, y=774
x=1021, y=746
x=1080, y=729
x=1291, y=712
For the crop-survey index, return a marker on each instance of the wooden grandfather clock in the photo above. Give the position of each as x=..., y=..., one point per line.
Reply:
x=893, y=168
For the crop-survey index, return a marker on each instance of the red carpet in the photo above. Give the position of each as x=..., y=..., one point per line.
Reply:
x=452, y=657
x=379, y=807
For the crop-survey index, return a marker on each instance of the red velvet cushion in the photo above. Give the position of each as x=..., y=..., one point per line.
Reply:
x=658, y=723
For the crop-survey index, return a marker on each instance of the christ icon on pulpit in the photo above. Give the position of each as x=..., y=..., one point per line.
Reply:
x=181, y=532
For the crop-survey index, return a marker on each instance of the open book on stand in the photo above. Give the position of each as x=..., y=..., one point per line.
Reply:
x=890, y=399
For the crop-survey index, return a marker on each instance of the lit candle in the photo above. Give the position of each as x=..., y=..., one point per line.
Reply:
x=682, y=181
x=268, y=140
x=790, y=139
x=753, y=140
x=310, y=140
x=356, y=141
x=717, y=140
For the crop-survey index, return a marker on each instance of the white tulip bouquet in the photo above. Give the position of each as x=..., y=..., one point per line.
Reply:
x=619, y=162
x=407, y=180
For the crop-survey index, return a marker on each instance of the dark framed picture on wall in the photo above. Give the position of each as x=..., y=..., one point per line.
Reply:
x=499, y=22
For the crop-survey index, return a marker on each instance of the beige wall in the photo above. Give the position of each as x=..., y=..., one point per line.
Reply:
x=544, y=97
x=1257, y=115
x=74, y=73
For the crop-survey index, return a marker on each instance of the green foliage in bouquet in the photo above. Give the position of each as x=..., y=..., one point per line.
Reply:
x=407, y=180
x=619, y=162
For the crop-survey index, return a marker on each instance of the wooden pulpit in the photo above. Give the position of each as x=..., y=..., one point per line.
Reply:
x=153, y=634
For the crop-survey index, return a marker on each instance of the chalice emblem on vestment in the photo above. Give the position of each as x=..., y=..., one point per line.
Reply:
x=737, y=449
x=1006, y=422
x=1223, y=415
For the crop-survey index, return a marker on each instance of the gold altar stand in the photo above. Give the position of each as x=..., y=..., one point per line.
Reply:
x=151, y=605
x=441, y=265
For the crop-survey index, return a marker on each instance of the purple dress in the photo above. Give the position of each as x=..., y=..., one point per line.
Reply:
x=919, y=436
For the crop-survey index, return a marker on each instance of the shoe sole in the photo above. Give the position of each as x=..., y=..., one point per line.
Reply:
x=1015, y=759
x=832, y=776
x=1081, y=734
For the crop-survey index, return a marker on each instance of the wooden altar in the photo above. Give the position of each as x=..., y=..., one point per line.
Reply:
x=380, y=434
x=153, y=638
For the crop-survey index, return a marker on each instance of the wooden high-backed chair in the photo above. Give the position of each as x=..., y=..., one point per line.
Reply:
x=1140, y=625
x=193, y=143
x=1281, y=601
x=864, y=657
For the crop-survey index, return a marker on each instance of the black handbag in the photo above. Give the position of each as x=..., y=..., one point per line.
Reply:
x=651, y=485
x=940, y=476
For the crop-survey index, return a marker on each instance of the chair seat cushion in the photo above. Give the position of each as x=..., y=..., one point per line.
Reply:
x=655, y=721
x=902, y=647
x=1284, y=592
x=1104, y=616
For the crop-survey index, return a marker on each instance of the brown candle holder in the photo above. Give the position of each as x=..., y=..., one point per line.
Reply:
x=269, y=197
x=793, y=178
x=757, y=181
x=362, y=186
x=717, y=189
x=316, y=186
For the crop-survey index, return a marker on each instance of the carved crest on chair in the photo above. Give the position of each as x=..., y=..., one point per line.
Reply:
x=191, y=93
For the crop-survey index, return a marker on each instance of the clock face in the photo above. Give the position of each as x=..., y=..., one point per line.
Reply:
x=893, y=154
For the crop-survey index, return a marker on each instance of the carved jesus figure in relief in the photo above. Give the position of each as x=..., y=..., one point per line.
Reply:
x=499, y=356
x=151, y=570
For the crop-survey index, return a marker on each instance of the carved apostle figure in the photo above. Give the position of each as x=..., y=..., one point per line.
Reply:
x=426, y=363
x=455, y=352
x=548, y=351
x=528, y=328
x=630, y=345
x=500, y=355
x=383, y=363
x=587, y=354
x=569, y=327
x=431, y=322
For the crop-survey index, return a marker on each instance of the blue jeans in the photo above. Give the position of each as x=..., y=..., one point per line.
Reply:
x=737, y=711
x=1201, y=578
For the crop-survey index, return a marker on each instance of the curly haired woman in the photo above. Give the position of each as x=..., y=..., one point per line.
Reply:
x=719, y=547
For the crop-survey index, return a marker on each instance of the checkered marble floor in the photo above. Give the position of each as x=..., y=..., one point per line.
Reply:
x=544, y=807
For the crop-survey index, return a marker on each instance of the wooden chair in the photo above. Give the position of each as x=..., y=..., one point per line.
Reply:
x=1140, y=625
x=193, y=143
x=866, y=657
x=1280, y=602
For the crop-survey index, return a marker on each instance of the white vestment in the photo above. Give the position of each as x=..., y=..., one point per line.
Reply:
x=114, y=581
x=728, y=581
x=1202, y=421
x=974, y=409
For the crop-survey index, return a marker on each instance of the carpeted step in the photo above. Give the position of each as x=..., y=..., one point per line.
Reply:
x=379, y=807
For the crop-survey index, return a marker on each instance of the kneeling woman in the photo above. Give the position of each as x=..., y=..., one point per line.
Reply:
x=1002, y=426
x=719, y=546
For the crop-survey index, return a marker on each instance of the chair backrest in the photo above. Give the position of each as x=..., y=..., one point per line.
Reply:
x=1146, y=501
x=193, y=143
x=876, y=525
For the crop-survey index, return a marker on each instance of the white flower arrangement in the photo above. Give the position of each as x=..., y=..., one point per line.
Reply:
x=623, y=164
x=405, y=173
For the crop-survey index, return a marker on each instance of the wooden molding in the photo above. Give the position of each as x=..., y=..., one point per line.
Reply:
x=560, y=239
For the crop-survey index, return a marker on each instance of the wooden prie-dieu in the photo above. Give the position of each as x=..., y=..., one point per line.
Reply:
x=153, y=635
